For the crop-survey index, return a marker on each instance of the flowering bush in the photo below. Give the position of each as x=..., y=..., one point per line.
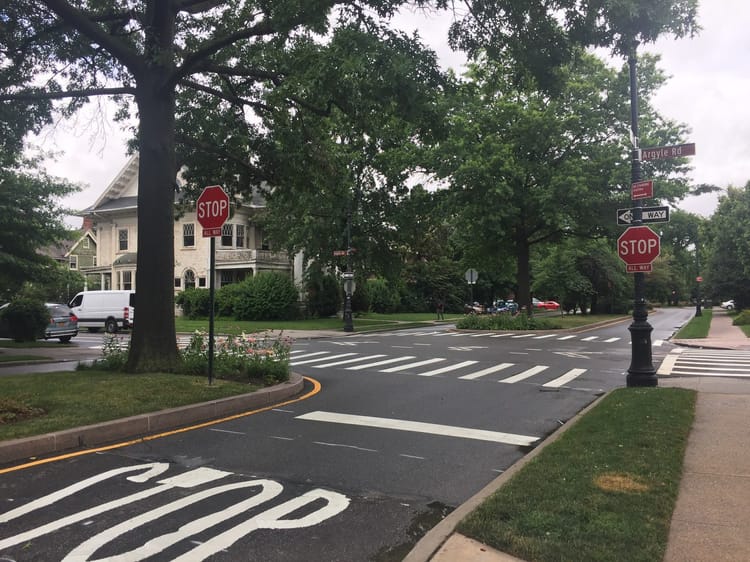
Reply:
x=246, y=357
x=114, y=354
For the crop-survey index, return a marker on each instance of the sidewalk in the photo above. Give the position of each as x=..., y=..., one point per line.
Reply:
x=711, y=520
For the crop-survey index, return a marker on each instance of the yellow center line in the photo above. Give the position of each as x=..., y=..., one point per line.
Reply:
x=315, y=390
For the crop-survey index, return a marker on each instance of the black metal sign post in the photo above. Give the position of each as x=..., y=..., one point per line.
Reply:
x=211, y=293
x=641, y=371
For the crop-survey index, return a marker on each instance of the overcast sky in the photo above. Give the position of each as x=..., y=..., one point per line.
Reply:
x=708, y=91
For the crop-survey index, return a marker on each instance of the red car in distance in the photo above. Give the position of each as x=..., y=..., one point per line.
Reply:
x=544, y=305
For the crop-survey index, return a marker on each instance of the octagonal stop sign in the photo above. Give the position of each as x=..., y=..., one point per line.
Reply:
x=212, y=210
x=638, y=246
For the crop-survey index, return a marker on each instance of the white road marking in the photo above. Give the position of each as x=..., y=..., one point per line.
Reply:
x=421, y=427
x=225, y=431
x=545, y=336
x=347, y=361
x=500, y=335
x=447, y=369
x=590, y=338
x=412, y=365
x=610, y=340
x=319, y=359
x=487, y=371
x=313, y=354
x=379, y=363
x=565, y=379
x=523, y=336
x=657, y=343
x=565, y=338
x=345, y=446
x=668, y=364
x=411, y=456
x=526, y=374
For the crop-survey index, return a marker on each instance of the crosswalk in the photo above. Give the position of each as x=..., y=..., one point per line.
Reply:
x=706, y=363
x=496, y=335
x=507, y=373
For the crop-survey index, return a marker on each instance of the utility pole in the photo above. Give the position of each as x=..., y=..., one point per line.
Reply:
x=641, y=371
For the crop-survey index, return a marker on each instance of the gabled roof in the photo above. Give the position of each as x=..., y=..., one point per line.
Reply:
x=86, y=234
x=111, y=199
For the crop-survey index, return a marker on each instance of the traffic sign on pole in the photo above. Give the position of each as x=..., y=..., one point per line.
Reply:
x=212, y=210
x=638, y=246
x=662, y=152
x=648, y=215
x=642, y=190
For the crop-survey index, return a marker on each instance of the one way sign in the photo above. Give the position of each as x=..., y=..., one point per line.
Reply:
x=648, y=215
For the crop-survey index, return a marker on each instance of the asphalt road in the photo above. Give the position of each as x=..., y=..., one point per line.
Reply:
x=405, y=426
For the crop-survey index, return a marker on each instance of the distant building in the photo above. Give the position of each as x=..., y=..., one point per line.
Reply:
x=241, y=251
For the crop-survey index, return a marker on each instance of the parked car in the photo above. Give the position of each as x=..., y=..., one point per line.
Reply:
x=62, y=325
x=111, y=310
x=729, y=305
x=544, y=305
x=508, y=306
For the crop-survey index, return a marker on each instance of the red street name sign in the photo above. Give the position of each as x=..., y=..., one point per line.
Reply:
x=662, y=152
x=642, y=190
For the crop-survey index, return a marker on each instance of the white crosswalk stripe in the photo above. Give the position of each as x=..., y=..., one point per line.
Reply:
x=526, y=374
x=705, y=362
x=412, y=365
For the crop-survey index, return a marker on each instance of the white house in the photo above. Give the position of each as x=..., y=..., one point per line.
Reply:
x=241, y=251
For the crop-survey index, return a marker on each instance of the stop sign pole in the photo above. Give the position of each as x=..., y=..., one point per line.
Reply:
x=641, y=371
x=212, y=211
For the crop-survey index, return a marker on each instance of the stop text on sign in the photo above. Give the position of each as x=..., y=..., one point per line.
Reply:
x=638, y=247
x=212, y=209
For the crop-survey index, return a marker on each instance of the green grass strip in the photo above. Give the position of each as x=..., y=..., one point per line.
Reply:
x=604, y=491
x=698, y=326
x=73, y=399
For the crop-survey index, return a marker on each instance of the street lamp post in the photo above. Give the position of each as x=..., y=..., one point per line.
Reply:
x=698, y=279
x=641, y=371
x=348, y=291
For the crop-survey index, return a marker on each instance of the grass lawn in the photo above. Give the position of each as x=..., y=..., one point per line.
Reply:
x=5, y=358
x=362, y=323
x=604, y=491
x=46, y=402
x=697, y=327
x=39, y=343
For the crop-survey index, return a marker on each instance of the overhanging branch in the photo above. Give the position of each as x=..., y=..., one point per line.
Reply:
x=38, y=95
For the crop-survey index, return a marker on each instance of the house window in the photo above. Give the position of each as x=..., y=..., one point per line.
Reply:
x=127, y=280
x=87, y=242
x=188, y=235
x=122, y=237
x=239, y=235
x=190, y=279
x=201, y=281
x=73, y=262
x=226, y=235
x=177, y=282
x=93, y=261
x=226, y=278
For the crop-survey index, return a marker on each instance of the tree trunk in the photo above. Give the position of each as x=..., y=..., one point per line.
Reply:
x=523, y=273
x=153, y=344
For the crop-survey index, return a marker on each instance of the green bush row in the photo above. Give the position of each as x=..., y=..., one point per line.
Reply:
x=507, y=322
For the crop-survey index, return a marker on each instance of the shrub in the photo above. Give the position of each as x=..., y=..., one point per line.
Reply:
x=267, y=296
x=114, y=355
x=244, y=358
x=195, y=303
x=323, y=295
x=383, y=298
x=26, y=319
x=506, y=322
x=742, y=319
x=361, y=297
x=226, y=298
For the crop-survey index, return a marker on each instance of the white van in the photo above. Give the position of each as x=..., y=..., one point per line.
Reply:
x=111, y=310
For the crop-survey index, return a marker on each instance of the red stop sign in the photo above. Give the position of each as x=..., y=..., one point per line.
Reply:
x=638, y=245
x=212, y=210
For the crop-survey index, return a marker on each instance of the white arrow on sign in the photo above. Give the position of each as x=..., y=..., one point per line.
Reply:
x=648, y=215
x=626, y=216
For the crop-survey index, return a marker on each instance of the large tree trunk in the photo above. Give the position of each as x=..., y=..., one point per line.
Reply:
x=523, y=273
x=153, y=343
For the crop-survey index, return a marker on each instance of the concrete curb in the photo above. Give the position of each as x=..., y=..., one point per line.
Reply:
x=142, y=425
x=431, y=542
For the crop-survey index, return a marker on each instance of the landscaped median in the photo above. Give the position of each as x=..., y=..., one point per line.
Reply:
x=602, y=490
x=47, y=413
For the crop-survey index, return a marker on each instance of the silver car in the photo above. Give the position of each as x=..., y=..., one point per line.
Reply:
x=62, y=324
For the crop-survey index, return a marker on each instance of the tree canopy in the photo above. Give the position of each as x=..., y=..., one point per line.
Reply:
x=165, y=61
